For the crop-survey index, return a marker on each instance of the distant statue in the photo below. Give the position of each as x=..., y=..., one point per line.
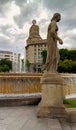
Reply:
x=52, y=50
x=34, y=32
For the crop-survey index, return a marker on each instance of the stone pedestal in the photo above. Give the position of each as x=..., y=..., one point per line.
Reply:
x=51, y=104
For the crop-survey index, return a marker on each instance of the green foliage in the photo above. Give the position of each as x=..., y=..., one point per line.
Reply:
x=67, y=61
x=70, y=103
x=34, y=67
x=67, y=66
x=67, y=54
x=44, y=55
x=28, y=64
x=63, y=54
x=72, y=55
x=4, y=68
x=5, y=65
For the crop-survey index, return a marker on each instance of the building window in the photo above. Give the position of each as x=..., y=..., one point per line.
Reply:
x=39, y=57
x=34, y=53
x=34, y=46
x=38, y=49
x=38, y=45
x=34, y=57
x=34, y=49
x=39, y=53
x=6, y=55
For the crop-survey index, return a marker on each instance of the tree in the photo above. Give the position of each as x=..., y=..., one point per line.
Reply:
x=67, y=66
x=44, y=55
x=28, y=64
x=5, y=65
x=72, y=55
x=63, y=54
x=67, y=62
x=34, y=67
x=67, y=54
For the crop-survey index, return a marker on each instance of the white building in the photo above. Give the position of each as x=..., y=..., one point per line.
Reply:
x=14, y=57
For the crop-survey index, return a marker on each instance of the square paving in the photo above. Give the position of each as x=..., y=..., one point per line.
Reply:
x=25, y=118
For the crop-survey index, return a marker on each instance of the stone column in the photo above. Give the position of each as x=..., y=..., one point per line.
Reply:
x=51, y=104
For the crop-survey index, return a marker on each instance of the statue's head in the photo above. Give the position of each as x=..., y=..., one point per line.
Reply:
x=56, y=17
x=34, y=22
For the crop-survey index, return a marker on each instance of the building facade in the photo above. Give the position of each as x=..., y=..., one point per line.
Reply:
x=14, y=57
x=35, y=45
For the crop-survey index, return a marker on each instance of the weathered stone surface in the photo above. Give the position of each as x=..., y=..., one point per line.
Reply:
x=72, y=114
x=52, y=78
x=51, y=104
x=34, y=35
x=52, y=50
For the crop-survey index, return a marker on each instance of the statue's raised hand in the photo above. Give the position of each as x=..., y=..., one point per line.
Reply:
x=60, y=41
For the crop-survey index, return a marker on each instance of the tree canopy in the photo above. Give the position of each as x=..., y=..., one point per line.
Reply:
x=44, y=55
x=67, y=54
x=28, y=64
x=5, y=65
x=67, y=61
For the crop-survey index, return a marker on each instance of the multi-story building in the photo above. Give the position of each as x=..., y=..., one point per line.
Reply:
x=14, y=57
x=35, y=45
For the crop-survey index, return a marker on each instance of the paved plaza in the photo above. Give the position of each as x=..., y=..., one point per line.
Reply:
x=24, y=118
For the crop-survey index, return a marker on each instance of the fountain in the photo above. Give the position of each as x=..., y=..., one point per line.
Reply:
x=18, y=83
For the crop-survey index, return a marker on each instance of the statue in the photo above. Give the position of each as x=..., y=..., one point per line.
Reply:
x=34, y=33
x=34, y=30
x=51, y=104
x=52, y=50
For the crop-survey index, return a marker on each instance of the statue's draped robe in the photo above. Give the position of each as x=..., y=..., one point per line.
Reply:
x=52, y=50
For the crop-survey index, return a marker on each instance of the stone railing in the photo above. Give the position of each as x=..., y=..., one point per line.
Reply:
x=21, y=83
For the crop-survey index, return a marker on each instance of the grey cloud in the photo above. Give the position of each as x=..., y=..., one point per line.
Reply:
x=4, y=30
x=4, y=43
x=4, y=1
x=32, y=10
x=66, y=8
x=4, y=5
x=14, y=47
x=58, y=4
x=42, y=21
x=21, y=37
x=28, y=11
x=17, y=37
x=20, y=2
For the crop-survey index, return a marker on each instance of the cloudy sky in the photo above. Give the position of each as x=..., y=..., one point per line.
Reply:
x=16, y=17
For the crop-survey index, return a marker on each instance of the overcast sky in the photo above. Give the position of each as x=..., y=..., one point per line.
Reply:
x=16, y=17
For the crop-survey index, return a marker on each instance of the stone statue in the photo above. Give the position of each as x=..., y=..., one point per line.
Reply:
x=52, y=50
x=51, y=104
x=34, y=30
x=34, y=33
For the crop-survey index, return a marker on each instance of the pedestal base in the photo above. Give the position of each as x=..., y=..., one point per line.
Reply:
x=52, y=112
x=51, y=104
